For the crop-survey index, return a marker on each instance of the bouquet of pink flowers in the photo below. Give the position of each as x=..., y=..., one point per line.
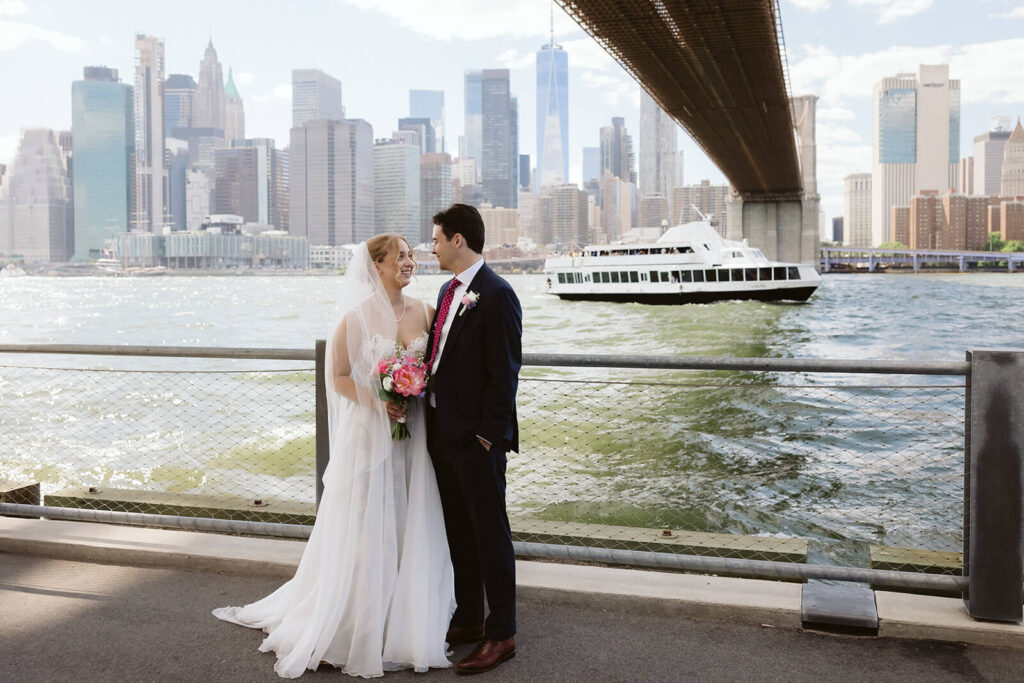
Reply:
x=402, y=377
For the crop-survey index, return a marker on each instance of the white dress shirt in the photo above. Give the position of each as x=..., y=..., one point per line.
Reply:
x=465, y=277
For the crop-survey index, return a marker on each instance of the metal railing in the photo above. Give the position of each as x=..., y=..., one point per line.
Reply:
x=785, y=468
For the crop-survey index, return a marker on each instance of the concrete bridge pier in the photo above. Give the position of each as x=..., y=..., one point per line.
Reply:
x=785, y=228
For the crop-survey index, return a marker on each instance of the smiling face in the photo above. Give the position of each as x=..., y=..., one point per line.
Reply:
x=397, y=265
x=444, y=249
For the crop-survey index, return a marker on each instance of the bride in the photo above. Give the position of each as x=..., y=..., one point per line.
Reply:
x=374, y=590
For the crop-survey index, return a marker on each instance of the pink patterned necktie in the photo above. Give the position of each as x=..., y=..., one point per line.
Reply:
x=442, y=315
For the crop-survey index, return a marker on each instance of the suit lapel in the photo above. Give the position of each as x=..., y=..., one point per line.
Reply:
x=453, y=333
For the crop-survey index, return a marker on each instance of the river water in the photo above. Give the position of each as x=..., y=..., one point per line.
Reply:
x=846, y=461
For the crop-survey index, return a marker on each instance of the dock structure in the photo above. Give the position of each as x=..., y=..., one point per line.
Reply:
x=871, y=260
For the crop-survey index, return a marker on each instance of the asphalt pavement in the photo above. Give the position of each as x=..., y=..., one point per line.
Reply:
x=66, y=620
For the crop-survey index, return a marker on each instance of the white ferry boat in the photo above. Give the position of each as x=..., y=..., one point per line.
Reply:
x=690, y=263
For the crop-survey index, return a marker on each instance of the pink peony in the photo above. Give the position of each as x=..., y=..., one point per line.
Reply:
x=383, y=365
x=410, y=380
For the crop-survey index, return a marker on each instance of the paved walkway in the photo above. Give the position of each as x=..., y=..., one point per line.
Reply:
x=72, y=619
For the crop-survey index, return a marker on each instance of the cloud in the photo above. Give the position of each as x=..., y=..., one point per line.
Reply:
x=834, y=114
x=106, y=40
x=13, y=8
x=14, y=34
x=990, y=72
x=8, y=148
x=811, y=5
x=890, y=11
x=1012, y=13
x=471, y=19
x=514, y=59
x=280, y=92
x=613, y=90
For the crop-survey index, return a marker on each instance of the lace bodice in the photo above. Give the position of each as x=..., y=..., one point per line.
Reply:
x=383, y=346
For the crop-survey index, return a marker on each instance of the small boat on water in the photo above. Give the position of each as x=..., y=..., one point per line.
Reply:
x=690, y=263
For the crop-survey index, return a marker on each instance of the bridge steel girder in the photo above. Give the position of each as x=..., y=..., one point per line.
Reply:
x=716, y=67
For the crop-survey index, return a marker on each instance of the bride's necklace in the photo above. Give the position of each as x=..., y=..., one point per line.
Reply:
x=399, y=318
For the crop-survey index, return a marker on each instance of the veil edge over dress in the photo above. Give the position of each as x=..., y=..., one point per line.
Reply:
x=374, y=590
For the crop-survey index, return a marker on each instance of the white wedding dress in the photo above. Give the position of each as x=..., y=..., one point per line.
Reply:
x=374, y=589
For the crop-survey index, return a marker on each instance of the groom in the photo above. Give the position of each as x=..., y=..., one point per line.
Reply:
x=474, y=351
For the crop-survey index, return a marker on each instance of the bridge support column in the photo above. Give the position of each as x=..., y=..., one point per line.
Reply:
x=962, y=262
x=917, y=265
x=783, y=230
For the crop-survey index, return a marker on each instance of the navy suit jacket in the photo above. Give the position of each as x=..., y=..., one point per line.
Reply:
x=478, y=373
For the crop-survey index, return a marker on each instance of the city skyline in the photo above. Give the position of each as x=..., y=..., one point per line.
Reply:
x=880, y=38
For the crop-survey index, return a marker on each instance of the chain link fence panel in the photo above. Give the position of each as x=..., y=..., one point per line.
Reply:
x=764, y=466
x=205, y=443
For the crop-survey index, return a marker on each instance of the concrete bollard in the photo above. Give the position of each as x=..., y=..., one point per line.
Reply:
x=993, y=459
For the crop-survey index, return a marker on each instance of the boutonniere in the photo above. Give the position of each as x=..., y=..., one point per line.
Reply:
x=469, y=300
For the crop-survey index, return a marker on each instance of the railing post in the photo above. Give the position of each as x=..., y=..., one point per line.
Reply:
x=994, y=454
x=323, y=449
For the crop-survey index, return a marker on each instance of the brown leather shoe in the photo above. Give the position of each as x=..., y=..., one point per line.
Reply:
x=487, y=655
x=464, y=634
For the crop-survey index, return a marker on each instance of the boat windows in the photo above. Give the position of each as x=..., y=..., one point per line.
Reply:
x=698, y=275
x=586, y=278
x=780, y=273
x=624, y=276
x=794, y=273
x=561, y=278
x=634, y=276
x=615, y=276
x=664, y=276
x=712, y=275
x=686, y=276
x=654, y=276
x=750, y=274
x=724, y=275
x=765, y=273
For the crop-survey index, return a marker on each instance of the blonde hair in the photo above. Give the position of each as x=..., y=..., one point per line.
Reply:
x=386, y=244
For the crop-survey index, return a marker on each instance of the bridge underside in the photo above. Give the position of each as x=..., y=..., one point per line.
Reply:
x=715, y=66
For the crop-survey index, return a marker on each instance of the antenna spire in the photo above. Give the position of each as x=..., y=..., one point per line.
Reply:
x=552, y=43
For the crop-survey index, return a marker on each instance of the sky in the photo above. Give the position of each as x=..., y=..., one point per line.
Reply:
x=835, y=49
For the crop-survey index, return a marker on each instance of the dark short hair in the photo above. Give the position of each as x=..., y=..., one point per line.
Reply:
x=465, y=220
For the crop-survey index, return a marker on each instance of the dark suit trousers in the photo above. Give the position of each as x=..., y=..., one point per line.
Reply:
x=472, y=486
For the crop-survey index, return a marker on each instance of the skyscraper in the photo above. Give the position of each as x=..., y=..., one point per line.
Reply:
x=569, y=217
x=658, y=146
x=396, y=189
x=37, y=200
x=591, y=163
x=1012, y=181
x=180, y=93
x=103, y=139
x=424, y=129
x=857, y=210
x=500, y=149
x=210, y=95
x=617, y=151
x=435, y=190
x=315, y=96
x=552, y=116
x=474, y=101
x=234, y=112
x=149, y=199
x=916, y=141
x=704, y=197
x=429, y=104
x=235, y=184
x=331, y=181
x=271, y=182
x=988, y=161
